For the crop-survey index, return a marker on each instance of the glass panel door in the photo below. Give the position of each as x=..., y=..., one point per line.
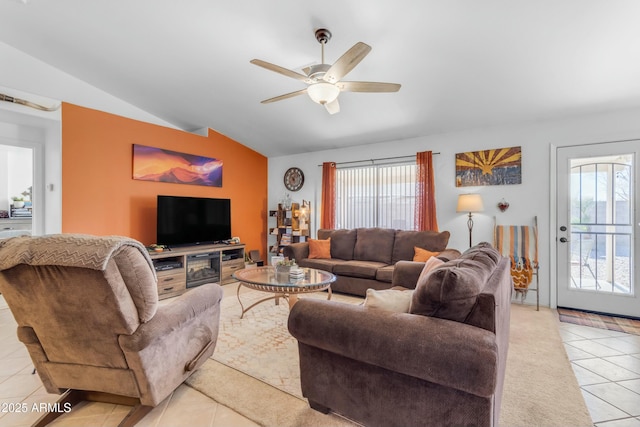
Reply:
x=597, y=246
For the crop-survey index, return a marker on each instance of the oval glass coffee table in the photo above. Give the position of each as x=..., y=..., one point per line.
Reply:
x=265, y=279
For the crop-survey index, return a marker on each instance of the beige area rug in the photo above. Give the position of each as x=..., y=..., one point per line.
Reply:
x=540, y=388
x=259, y=344
x=254, y=369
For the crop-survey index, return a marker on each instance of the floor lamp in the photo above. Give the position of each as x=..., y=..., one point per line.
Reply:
x=470, y=203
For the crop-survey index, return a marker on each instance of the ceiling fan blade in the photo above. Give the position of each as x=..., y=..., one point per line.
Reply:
x=285, y=96
x=368, y=87
x=347, y=62
x=281, y=70
x=333, y=107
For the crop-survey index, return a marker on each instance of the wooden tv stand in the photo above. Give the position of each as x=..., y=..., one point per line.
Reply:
x=182, y=268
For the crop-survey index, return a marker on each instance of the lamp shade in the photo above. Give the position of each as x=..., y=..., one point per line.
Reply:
x=323, y=92
x=470, y=203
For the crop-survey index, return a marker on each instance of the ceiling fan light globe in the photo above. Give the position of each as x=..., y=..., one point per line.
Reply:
x=323, y=92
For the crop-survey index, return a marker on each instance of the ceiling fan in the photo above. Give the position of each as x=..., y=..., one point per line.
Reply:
x=324, y=80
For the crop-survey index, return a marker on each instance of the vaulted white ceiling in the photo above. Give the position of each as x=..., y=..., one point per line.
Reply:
x=462, y=63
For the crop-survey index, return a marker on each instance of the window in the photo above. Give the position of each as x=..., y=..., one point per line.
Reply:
x=601, y=191
x=376, y=196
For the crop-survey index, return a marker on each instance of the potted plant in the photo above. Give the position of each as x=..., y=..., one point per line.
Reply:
x=283, y=267
x=18, y=202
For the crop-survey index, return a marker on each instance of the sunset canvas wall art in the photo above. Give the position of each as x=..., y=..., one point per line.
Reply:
x=157, y=164
x=500, y=166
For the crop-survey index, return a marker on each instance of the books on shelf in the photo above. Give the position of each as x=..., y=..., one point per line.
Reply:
x=21, y=212
x=285, y=240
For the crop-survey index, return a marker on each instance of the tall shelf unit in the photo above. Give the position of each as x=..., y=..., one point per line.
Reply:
x=288, y=225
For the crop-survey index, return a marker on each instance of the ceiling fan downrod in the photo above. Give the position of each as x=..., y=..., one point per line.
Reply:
x=323, y=36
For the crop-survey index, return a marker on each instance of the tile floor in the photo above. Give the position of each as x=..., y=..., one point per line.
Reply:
x=606, y=364
x=607, y=367
x=185, y=407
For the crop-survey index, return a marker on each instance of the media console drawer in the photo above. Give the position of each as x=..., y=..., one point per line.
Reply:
x=228, y=268
x=180, y=269
x=171, y=282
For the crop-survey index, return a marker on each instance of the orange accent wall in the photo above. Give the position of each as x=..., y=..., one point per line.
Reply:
x=99, y=195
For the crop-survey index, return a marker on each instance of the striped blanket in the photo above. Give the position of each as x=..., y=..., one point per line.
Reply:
x=520, y=244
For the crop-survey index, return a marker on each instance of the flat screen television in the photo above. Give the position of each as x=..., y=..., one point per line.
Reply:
x=184, y=221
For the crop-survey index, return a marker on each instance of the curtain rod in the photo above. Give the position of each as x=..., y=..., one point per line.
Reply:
x=375, y=160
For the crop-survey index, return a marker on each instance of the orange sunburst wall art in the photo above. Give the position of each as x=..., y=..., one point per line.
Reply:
x=157, y=164
x=500, y=166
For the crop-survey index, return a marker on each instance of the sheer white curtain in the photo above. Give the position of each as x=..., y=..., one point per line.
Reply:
x=376, y=196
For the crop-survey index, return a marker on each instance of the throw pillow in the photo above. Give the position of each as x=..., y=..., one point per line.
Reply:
x=429, y=266
x=450, y=292
x=422, y=255
x=431, y=263
x=320, y=249
x=406, y=240
x=389, y=299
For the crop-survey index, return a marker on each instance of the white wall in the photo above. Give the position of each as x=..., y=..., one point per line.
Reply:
x=529, y=199
x=4, y=179
x=20, y=171
x=25, y=77
x=28, y=74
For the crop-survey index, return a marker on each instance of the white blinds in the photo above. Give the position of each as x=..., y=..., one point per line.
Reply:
x=376, y=196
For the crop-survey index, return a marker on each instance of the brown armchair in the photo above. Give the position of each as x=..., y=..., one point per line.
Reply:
x=87, y=311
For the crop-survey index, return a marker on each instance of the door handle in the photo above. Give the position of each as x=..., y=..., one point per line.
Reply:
x=563, y=240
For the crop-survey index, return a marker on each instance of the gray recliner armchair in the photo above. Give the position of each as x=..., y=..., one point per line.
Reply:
x=87, y=311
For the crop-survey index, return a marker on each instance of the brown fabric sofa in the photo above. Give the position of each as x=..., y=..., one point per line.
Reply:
x=87, y=311
x=364, y=258
x=443, y=367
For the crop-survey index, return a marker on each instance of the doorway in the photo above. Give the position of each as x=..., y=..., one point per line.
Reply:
x=597, y=235
x=16, y=190
x=40, y=132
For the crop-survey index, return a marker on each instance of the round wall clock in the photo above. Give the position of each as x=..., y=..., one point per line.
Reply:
x=293, y=179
